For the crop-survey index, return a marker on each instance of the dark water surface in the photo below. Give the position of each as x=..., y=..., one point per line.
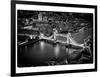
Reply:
x=40, y=53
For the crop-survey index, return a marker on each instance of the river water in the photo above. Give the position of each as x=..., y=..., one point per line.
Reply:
x=42, y=53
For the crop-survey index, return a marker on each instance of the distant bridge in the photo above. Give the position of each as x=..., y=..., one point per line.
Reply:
x=62, y=38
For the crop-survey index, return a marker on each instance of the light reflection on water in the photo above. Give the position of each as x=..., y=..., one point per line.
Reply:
x=42, y=45
x=56, y=50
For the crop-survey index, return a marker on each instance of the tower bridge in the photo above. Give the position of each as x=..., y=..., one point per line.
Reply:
x=62, y=38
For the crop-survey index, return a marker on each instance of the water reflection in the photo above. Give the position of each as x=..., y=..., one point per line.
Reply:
x=56, y=50
x=42, y=45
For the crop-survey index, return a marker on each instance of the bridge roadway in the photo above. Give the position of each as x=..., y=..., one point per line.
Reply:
x=53, y=38
x=69, y=39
